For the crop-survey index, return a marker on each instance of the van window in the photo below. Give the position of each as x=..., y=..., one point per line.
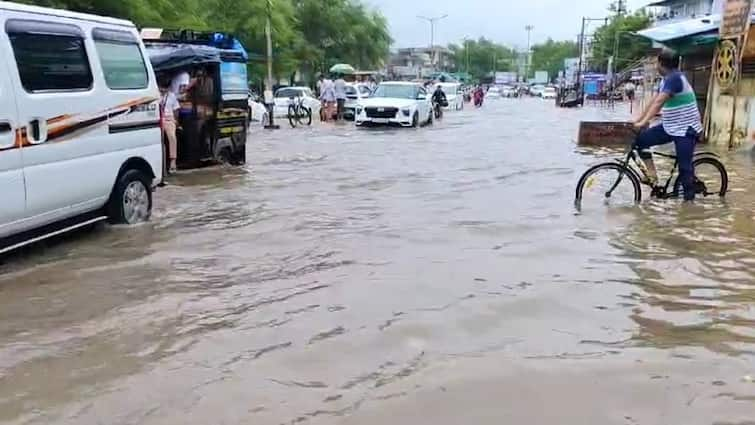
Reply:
x=121, y=59
x=51, y=62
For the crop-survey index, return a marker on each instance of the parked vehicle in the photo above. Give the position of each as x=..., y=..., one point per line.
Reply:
x=399, y=103
x=509, y=91
x=212, y=121
x=493, y=93
x=355, y=93
x=548, y=93
x=537, y=90
x=285, y=96
x=79, y=123
x=454, y=95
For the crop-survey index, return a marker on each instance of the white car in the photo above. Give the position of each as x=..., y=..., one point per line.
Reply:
x=355, y=94
x=80, y=138
x=548, y=93
x=493, y=93
x=453, y=95
x=403, y=103
x=508, y=91
x=286, y=95
x=537, y=90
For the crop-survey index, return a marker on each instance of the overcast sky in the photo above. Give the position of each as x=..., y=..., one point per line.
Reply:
x=500, y=20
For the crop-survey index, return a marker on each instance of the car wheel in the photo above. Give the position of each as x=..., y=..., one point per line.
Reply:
x=131, y=200
x=415, y=120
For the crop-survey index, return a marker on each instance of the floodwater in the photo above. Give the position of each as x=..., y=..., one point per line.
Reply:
x=399, y=276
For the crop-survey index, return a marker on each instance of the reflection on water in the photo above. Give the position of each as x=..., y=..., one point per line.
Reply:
x=350, y=276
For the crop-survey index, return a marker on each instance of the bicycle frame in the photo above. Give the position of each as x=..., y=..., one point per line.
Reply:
x=633, y=156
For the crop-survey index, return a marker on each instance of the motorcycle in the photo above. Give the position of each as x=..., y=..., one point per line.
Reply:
x=438, y=109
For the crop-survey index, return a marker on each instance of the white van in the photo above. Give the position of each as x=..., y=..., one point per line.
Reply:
x=80, y=137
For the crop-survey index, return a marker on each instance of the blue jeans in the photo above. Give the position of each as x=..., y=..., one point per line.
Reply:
x=685, y=151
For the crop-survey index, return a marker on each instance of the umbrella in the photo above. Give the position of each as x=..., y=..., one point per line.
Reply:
x=342, y=68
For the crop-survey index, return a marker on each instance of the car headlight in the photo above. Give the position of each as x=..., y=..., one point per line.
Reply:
x=406, y=112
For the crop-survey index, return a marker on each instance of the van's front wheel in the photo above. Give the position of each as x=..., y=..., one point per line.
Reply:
x=131, y=200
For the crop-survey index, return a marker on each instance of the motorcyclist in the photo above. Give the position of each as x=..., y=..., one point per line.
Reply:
x=439, y=100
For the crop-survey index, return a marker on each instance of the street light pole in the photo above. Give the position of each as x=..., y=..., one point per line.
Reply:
x=529, y=29
x=269, y=80
x=432, y=22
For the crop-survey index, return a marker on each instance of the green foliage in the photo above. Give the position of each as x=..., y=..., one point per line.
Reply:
x=309, y=35
x=481, y=57
x=549, y=56
x=630, y=47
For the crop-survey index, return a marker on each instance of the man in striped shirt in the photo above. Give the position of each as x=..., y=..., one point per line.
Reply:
x=680, y=122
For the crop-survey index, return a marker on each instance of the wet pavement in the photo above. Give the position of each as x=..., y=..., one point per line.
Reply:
x=431, y=276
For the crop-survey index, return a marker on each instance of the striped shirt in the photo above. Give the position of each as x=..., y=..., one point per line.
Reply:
x=680, y=112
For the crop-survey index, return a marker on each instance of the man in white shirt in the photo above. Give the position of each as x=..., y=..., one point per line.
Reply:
x=180, y=83
x=340, y=89
x=169, y=108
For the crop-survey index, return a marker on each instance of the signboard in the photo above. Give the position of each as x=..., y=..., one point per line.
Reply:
x=505, y=77
x=606, y=133
x=541, y=77
x=736, y=18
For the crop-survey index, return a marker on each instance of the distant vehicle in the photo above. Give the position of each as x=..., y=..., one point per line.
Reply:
x=80, y=138
x=493, y=93
x=537, y=90
x=355, y=93
x=509, y=91
x=285, y=96
x=548, y=93
x=454, y=95
x=403, y=103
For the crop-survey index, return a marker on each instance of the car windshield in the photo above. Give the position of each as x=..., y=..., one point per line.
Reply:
x=288, y=92
x=402, y=91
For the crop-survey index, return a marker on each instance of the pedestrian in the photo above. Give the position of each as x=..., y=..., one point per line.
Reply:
x=169, y=108
x=340, y=90
x=318, y=87
x=328, y=99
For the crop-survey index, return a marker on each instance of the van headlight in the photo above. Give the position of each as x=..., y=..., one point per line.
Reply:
x=406, y=112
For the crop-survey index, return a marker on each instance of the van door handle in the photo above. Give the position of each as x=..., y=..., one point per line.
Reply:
x=37, y=131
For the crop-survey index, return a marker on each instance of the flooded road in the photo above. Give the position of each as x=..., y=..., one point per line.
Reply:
x=431, y=276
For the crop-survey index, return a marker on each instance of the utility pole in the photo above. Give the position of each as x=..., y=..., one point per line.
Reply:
x=581, y=54
x=432, y=22
x=269, y=80
x=529, y=29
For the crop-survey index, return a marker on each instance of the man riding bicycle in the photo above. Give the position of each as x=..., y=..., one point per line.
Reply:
x=439, y=98
x=680, y=122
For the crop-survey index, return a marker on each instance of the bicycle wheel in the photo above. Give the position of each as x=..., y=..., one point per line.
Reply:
x=609, y=183
x=292, y=115
x=711, y=178
x=305, y=116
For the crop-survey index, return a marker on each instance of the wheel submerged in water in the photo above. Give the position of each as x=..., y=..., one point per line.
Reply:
x=608, y=184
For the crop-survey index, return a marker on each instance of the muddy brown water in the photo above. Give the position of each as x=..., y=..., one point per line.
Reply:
x=431, y=276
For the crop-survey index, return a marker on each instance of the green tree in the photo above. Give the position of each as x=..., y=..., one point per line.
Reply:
x=549, y=56
x=619, y=32
x=308, y=35
x=481, y=57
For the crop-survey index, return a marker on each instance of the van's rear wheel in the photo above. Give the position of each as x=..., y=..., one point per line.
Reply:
x=131, y=200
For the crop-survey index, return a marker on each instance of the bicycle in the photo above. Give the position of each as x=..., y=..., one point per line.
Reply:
x=633, y=168
x=298, y=113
